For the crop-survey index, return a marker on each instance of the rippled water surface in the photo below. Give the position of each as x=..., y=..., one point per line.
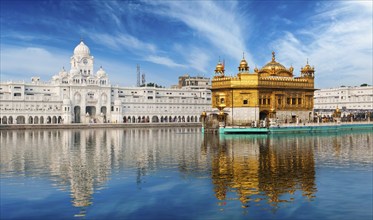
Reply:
x=182, y=174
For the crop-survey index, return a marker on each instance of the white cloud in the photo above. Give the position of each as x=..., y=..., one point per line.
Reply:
x=222, y=25
x=340, y=45
x=163, y=61
x=120, y=73
x=145, y=51
x=25, y=62
x=199, y=60
x=123, y=41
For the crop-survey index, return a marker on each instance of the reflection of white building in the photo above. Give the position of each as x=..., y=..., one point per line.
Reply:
x=81, y=96
x=348, y=99
x=82, y=161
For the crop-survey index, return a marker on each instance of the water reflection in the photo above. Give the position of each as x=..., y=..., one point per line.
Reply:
x=273, y=168
x=82, y=161
x=254, y=170
x=261, y=168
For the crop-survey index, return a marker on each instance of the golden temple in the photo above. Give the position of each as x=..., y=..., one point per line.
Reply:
x=272, y=92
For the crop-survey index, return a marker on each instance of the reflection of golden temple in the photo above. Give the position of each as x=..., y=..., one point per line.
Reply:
x=270, y=92
x=337, y=115
x=257, y=169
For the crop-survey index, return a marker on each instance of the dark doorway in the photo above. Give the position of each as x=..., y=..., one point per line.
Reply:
x=103, y=111
x=91, y=110
x=263, y=115
x=77, y=114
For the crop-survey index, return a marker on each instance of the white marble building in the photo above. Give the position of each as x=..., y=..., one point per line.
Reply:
x=82, y=96
x=347, y=99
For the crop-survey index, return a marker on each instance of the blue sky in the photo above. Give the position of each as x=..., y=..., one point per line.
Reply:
x=170, y=38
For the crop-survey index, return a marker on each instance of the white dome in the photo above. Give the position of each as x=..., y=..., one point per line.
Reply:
x=101, y=73
x=81, y=49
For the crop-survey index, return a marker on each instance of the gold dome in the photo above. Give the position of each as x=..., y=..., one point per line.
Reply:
x=243, y=64
x=307, y=68
x=307, y=71
x=219, y=68
x=273, y=65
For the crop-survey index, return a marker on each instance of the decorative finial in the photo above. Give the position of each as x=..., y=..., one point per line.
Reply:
x=243, y=55
x=273, y=56
x=307, y=60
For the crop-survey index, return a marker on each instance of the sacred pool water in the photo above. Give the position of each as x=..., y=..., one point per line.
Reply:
x=179, y=173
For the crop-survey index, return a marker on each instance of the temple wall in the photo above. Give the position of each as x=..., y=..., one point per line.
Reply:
x=242, y=116
x=290, y=116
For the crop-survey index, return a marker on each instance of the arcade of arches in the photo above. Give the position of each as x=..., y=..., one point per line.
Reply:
x=126, y=119
x=160, y=119
x=31, y=120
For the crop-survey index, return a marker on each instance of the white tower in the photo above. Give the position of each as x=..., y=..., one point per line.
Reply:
x=82, y=60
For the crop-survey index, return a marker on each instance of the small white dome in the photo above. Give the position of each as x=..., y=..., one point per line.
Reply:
x=62, y=73
x=81, y=49
x=101, y=73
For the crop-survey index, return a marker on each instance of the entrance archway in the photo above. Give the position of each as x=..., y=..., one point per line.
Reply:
x=54, y=120
x=263, y=115
x=21, y=120
x=77, y=114
x=155, y=119
x=4, y=120
x=91, y=110
x=103, y=111
x=30, y=120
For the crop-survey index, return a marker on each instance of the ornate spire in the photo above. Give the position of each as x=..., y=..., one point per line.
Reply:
x=219, y=70
x=273, y=56
x=307, y=70
x=243, y=64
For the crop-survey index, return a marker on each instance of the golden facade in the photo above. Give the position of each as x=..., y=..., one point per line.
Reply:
x=270, y=92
